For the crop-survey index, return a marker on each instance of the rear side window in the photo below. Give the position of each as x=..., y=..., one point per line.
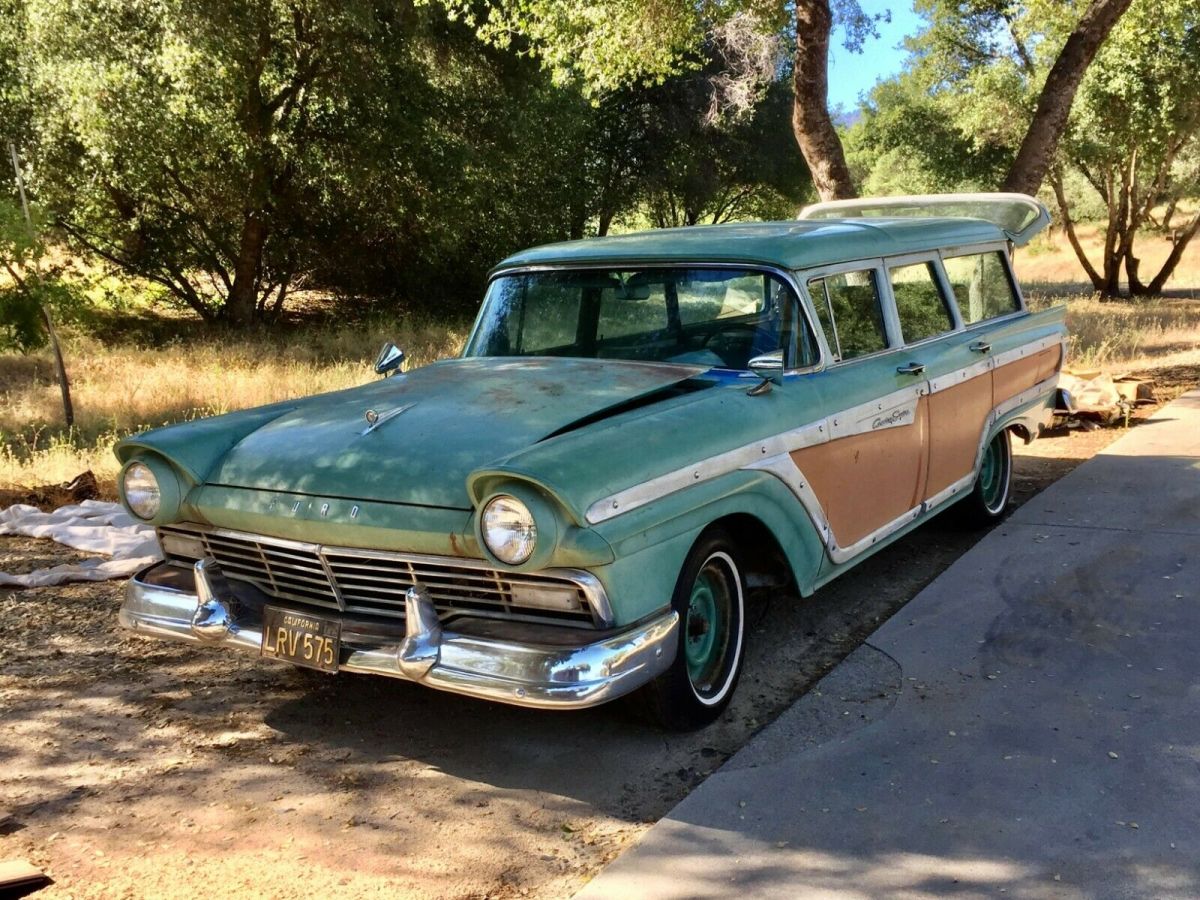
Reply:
x=982, y=286
x=851, y=315
x=920, y=305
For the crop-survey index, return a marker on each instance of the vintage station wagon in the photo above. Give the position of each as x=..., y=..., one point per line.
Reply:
x=639, y=428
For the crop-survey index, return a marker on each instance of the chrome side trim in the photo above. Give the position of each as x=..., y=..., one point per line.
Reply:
x=858, y=419
x=952, y=490
x=783, y=467
x=774, y=457
x=509, y=671
x=1009, y=356
x=845, y=554
x=706, y=470
x=889, y=411
x=954, y=379
x=1026, y=396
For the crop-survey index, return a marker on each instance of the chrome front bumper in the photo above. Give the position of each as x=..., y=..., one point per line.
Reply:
x=549, y=675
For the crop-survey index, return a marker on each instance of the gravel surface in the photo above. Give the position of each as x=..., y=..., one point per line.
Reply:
x=137, y=768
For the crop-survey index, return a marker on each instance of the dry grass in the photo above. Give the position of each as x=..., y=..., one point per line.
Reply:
x=1049, y=260
x=1119, y=336
x=120, y=389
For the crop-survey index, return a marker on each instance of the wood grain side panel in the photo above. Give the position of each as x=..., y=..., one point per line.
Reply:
x=1050, y=361
x=956, y=420
x=1009, y=380
x=865, y=481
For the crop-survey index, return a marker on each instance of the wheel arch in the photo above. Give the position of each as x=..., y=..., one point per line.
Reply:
x=762, y=555
x=757, y=508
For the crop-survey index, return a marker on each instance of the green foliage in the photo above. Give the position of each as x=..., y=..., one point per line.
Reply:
x=717, y=172
x=953, y=119
x=232, y=154
x=27, y=284
x=609, y=44
x=1142, y=97
x=909, y=140
x=1133, y=135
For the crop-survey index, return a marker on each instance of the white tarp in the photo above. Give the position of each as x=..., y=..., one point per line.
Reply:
x=91, y=526
x=1092, y=392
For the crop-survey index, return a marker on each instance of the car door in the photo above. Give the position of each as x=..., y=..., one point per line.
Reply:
x=869, y=475
x=957, y=376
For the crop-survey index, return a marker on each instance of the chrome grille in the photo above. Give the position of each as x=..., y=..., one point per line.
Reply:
x=374, y=582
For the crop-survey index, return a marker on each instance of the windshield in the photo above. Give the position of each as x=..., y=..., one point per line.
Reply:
x=713, y=317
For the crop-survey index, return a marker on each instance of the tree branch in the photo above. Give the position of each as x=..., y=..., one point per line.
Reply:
x=1037, y=150
x=1069, y=227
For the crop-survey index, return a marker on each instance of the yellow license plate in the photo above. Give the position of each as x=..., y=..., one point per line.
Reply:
x=301, y=639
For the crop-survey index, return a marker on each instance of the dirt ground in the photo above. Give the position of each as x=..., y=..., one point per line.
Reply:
x=137, y=768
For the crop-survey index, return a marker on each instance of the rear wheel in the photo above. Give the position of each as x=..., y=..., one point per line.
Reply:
x=989, y=498
x=710, y=600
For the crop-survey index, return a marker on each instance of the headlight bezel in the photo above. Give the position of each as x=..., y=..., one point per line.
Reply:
x=544, y=518
x=170, y=491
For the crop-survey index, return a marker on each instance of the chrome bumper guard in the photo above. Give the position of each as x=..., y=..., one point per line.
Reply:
x=159, y=603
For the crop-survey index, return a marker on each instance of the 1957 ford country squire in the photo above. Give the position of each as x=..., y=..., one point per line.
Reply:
x=638, y=428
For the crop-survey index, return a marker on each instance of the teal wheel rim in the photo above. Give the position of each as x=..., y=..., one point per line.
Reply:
x=991, y=473
x=702, y=628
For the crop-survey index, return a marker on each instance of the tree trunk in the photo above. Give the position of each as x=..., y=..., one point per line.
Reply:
x=811, y=122
x=64, y=386
x=243, y=296
x=1182, y=239
x=1169, y=214
x=1069, y=227
x=1054, y=105
x=578, y=221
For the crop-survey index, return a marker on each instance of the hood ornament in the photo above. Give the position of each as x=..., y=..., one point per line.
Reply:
x=375, y=418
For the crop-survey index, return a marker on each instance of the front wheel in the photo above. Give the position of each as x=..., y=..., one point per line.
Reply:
x=989, y=497
x=710, y=600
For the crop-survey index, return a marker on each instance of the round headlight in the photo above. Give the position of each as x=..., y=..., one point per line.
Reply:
x=509, y=530
x=142, y=493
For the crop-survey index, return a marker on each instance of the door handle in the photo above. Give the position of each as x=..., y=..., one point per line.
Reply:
x=912, y=368
x=981, y=347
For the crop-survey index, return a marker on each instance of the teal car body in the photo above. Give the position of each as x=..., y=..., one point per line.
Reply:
x=897, y=358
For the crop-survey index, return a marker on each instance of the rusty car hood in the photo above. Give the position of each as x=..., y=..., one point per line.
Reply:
x=434, y=425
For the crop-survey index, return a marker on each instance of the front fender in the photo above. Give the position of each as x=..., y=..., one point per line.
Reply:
x=196, y=448
x=650, y=542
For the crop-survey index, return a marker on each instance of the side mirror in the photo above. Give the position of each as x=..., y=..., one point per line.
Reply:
x=389, y=359
x=770, y=369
